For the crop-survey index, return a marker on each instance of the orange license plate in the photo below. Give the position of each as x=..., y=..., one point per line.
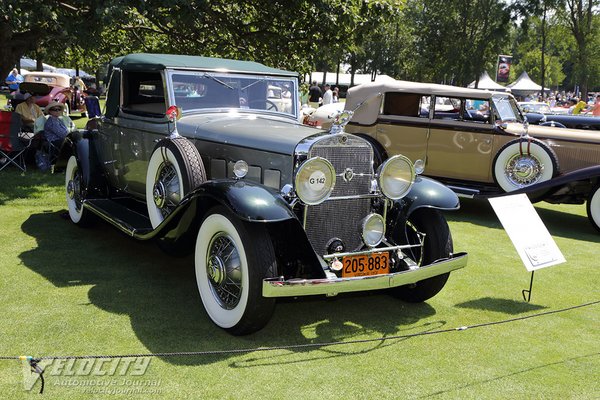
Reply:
x=366, y=264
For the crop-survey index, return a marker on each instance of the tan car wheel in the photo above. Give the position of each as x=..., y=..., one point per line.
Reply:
x=522, y=163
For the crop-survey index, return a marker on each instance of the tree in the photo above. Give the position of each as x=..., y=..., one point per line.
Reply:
x=580, y=17
x=454, y=39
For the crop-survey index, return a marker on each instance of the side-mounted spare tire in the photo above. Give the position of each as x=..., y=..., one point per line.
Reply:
x=174, y=170
x=524, y=162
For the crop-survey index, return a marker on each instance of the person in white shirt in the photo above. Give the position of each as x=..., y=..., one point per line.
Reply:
x=328, y=95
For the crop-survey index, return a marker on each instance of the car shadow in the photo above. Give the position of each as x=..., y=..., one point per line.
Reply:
x=505, y=306
x=561, y=224
x=159, y=294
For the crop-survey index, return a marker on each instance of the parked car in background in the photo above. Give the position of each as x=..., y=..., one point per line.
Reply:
x=269, y=207
x=477, y=142
x=541, y=114
x=50, y=86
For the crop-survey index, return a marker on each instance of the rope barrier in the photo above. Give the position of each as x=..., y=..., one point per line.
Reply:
x=33, y=361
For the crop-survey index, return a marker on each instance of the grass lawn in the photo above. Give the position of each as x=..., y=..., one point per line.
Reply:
x=72, y=291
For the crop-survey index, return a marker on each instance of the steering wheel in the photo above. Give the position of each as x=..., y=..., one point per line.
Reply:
x=270, y=106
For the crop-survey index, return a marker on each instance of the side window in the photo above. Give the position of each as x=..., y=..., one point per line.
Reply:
x=405, y=105
x=143, y=93
x=477, y=110
x=447, y=108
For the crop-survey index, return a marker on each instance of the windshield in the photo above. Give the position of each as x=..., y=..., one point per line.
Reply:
x=208, y=90
x=536, y=108
x=506, y=109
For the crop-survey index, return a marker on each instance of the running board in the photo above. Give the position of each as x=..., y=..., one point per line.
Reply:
x=127, y=220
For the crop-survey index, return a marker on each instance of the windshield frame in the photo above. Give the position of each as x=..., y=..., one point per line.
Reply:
x=224, y=79
x=506, y=108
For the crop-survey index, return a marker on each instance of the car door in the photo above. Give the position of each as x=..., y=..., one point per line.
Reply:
x=403, y=124
x=460, y=140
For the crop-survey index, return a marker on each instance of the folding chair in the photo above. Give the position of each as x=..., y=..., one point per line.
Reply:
x=12, y=143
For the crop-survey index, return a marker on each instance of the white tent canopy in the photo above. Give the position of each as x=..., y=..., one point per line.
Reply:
x=524, y=85
x=485, y=82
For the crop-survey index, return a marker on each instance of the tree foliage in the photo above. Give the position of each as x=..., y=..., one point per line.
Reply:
x=424, y=40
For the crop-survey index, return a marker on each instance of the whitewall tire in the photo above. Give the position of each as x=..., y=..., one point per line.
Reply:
x=522, y=163
x=593, y=207
x=231, y=260
x=73, y=190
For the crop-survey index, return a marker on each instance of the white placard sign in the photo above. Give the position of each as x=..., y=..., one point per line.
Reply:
x=527, y=232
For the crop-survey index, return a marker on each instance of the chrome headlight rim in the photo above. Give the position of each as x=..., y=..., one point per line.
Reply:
x=328, y=170
x=382, y=174
x=368, y=229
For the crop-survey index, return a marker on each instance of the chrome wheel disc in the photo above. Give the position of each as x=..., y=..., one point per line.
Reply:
x=523, y=170
x=223, y=268
x=166, y=190
x=74, y=189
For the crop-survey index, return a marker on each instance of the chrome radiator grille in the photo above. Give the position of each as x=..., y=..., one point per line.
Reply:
x=341, y=219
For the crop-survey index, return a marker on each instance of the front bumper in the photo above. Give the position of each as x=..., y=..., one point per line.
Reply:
x=277, y=287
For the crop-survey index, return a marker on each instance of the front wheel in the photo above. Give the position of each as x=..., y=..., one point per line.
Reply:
x=232, y=258
x=74, y=193
x=437, y=245
x=593, y=207
x=522, y=163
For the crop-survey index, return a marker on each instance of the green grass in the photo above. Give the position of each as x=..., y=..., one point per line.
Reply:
x=71, y=291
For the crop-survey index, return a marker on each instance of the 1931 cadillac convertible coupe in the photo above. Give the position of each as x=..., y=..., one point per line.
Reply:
x=270, y=208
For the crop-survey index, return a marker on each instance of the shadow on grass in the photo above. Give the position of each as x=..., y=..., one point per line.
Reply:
x=500, y=305
x=15, y=184
x=562, y=224
x=160, y=296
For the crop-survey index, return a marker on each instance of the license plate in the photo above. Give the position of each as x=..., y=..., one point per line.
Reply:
x=366, y=264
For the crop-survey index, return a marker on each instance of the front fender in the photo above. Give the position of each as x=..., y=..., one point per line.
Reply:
x=425, y=193
x=250, y=201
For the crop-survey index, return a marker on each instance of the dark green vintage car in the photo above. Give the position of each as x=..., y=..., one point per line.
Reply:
x=194, y=153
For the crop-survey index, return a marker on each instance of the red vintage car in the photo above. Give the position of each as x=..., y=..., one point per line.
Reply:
x=49, y=86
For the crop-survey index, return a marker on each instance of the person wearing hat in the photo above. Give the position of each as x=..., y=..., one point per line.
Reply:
x=57, y=126
x=29, y=112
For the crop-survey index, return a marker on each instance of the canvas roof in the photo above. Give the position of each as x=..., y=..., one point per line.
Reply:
x=156, y=62
x=368, y=93
x=485, y=82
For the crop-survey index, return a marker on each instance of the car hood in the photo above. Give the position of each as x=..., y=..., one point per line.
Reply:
x=575, y=135
x=252, y=131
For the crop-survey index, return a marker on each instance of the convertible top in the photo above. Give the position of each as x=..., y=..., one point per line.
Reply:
x=367, y=114
x=157, y=62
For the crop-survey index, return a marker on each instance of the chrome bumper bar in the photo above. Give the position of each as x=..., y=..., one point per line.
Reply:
x=277, y=287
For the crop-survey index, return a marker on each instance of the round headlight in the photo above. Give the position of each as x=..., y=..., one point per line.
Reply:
x=396, y=176
x=373, y=230
x=314, y=180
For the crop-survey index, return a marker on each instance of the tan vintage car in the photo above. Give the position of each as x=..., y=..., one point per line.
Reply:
x=477, y=142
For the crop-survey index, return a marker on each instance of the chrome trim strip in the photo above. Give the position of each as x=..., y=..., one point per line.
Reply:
x=122, y=226
x=279, y=287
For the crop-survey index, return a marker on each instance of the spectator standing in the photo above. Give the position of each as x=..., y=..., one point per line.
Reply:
x=336, y=94
x=328, y=95
x=14, y=79
x=314, y=95
x=578, y=107
x=29, y=111
x=595, y=110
